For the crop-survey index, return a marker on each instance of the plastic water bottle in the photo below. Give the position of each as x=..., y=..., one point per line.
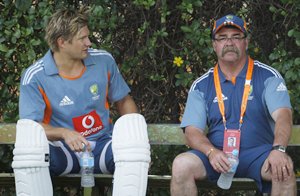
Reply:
x=87, y=169
x=225, y=179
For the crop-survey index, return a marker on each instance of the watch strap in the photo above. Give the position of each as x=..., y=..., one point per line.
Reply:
x=279, y=148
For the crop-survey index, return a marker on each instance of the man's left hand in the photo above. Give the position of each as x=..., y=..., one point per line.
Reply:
x=280, y=165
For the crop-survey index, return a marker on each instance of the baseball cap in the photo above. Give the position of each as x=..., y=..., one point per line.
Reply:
x=229, y=20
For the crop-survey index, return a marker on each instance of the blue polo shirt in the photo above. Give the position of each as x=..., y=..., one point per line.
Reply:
x=81, y=103
x=268, y=93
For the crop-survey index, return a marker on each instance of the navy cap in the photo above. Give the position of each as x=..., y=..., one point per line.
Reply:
x=229, y=20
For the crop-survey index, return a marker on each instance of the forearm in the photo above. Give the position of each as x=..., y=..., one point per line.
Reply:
x=196, y=139
x=283, y=126
x=72, y=138
x=126, y=105
x=54, y=133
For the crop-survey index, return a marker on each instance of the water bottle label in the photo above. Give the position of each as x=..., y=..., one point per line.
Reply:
x=234, y=165
x=87, y=162
x=233, y=168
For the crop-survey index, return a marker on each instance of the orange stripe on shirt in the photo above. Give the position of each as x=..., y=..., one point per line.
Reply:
x=106, y=93
x=233, y=80
x=106, y=102
x=48, y=109
x=73, y=78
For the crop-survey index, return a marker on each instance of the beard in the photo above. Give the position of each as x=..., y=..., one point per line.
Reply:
x=230, y=49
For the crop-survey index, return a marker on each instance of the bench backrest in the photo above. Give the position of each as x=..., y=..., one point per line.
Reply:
x=163, y=134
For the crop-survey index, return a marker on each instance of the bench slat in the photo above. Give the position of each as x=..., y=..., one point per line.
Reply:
x=7, y=179
x=7, y=133
x=163, y=134
x=166, y=134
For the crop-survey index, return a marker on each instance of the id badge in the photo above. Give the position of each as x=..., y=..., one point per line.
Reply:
x=231, y=140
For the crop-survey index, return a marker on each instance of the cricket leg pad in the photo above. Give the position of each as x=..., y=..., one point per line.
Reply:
x=31, y=160
x=131, y=150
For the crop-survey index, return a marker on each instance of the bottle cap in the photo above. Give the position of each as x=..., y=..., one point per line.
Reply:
x=235, y=152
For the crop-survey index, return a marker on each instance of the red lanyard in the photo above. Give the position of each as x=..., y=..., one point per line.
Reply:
x=245, y=95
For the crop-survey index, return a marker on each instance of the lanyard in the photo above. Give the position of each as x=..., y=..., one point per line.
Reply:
x=245, y=94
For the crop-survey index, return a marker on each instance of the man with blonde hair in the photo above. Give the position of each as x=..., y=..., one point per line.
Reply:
x=68, y=93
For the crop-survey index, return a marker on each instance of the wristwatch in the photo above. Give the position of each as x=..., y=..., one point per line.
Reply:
x=279, y=148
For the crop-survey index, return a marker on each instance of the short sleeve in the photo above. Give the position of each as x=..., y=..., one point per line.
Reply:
x=276, y=94
x=31, y=102
x=195, y=110
x=118, y=88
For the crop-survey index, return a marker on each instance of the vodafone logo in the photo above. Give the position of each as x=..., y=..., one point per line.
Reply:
x=88, y=122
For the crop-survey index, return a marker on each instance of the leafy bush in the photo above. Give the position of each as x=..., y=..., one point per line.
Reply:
x=145, y=37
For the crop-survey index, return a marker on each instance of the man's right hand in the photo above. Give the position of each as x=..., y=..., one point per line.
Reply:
x=75, y=141
x=219, y=161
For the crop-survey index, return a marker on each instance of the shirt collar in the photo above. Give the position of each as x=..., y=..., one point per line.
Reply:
x=50, y=65
x=88, y=60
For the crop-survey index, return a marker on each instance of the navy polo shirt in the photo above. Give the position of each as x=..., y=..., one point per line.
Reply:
x=268, y=93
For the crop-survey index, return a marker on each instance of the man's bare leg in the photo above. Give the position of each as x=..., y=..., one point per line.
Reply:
x=186, y=168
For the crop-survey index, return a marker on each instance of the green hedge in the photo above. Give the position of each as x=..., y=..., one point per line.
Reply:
x=145, y=36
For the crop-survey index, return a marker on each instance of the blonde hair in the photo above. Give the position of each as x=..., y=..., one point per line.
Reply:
x=65, y=23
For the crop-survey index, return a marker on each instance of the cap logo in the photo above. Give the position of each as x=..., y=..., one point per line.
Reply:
x=229, y=17
x=229, y=20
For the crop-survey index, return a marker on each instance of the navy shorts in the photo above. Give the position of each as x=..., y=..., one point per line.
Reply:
x=64, y=161
x=251, y=162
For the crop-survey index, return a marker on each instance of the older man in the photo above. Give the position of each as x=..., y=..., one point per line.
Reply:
x=241, y=98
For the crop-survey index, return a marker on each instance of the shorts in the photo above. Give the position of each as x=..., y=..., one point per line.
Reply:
x=251, y=161
x=64, y=161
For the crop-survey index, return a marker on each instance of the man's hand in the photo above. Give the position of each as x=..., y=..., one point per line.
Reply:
x=280, y=165
x=75, y=141
x=219, y=161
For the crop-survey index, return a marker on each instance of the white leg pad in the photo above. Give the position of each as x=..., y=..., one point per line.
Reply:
x=31, y=160
x=131, y=149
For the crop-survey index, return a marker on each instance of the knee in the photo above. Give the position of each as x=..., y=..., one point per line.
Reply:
x=288, y=182
x=287, y=185
x=186, y=166
x=291, y=179
x=179, y=166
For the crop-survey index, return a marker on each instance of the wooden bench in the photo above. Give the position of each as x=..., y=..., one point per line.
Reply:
x=167, y=140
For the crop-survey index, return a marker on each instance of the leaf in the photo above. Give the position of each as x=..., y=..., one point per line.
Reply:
x=3, y=48
x=186, y=29
x=35, y=42
x=23, y=5
x=297, y=61
x=273, y=56
x=291, y=32
x=272, y=9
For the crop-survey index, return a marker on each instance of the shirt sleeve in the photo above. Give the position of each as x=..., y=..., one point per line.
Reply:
x=31, y=102
x=118, y=88
x=276, y=94
x=195, y=110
